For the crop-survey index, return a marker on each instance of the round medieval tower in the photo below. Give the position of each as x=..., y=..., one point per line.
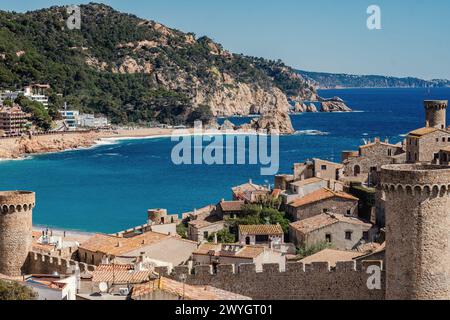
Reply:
x=417, y=231
x=16, y=208
x=435, y=113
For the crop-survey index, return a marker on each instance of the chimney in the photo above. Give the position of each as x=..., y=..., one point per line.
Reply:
x=119, y=244
x=386, y=140
x=377, y=140
x=215, y=238
x=250, y=181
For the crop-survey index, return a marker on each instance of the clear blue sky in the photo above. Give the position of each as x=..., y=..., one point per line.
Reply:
x=316, y=35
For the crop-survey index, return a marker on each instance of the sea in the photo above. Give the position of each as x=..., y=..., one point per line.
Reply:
x=109, y=187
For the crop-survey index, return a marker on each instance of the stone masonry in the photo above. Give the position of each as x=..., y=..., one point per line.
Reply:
x=15, y=230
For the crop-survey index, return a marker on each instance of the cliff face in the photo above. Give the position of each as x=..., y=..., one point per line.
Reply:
x=135, y=70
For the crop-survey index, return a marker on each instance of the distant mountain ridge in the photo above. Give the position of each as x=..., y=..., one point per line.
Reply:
x=324, y=80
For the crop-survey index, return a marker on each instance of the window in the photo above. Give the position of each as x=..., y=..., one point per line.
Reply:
x=448, y=139
x=324, y=167
x=437, y=139
x=205, y=234
x=328, y=238
x=389, y=152
x=325, y=210
x=366, y=235
x=348, y=235
x=443, y=139
x=260, y=239
x=349, y=212
x=436, y=156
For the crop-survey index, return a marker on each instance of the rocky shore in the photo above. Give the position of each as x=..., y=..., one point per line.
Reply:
x=334, y=104
x=17, y=148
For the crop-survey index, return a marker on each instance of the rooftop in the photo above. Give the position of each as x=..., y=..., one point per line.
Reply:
x=230, y=250
x=306, y=182
x=188, y=292
x=332, y=256
x=249, y=186
x=119, y=274
x=320, y=195
x=325, y=220
x=231, y=205
x=424, y=131
x=117, y=246
x=264, y=229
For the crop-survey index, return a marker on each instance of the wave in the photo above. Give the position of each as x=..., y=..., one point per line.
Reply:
x=311, y=133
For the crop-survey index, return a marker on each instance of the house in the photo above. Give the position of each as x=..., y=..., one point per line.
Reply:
x=266, y=235
x=162, y=248
x=168, y=289
x=236, y=254
x=444, y=156
x=365, y=165
x=332, y=256
x=250, y=192
x=321, y=201
x=343, y=233
x=230, y=209
x=301, y=188
x=424, y=144
x=200, y=230
x=13, y=121
x=52, y=287
x=317, y=168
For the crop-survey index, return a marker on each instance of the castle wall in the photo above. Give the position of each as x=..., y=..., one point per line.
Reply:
x=348, y=281
x=15, y=230
x=417, y=238
x=38, y=263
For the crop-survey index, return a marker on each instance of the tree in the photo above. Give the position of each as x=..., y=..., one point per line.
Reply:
x=15, y=291
x=182, y=230
x=304, y=252
x=39, y=115
x=223, y=236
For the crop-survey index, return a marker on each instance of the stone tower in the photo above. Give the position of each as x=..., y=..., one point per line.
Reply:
x=16, y=209
x=435, y=113
x=417, y=231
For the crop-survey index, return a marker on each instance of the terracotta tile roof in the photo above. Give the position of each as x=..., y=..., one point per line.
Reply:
x=382, y=143
x=446, y=149
x=189, y=292
x=121, y=276
x=332, y=256
x=201, y=223
x=339, y=165
x=424, y=131
x=276, y=193
x=262, y=229
x=114, y=267
x=232, y=205
x=116, y=246
x=320, y=195
x=248, y=252
x=325, y=220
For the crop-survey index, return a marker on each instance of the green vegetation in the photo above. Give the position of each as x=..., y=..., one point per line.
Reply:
x=309, y=251
x=182, y=230
x=254, y=214
x=223, y=236
x=91, y=67
x=15, y=291
x=39, y=115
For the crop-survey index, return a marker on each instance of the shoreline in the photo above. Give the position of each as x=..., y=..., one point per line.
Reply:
x=25, y=148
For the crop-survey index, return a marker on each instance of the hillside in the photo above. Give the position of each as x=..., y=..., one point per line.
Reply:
x=331, y=80
x=137, y=71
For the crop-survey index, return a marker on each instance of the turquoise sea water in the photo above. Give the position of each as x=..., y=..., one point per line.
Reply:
x=110, y=187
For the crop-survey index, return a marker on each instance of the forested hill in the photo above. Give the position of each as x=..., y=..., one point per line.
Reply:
x=331, y=80
x=136, y=71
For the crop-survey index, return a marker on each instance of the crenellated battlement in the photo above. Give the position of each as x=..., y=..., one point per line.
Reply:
x=39, y=263
x=347, y=280
x=436, y=190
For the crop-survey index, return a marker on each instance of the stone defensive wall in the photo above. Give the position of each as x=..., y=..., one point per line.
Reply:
x=317, y=281
x=38, y=263
x=415, y=178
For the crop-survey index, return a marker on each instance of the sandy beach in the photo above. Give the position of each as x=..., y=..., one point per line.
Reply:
x=21, y=147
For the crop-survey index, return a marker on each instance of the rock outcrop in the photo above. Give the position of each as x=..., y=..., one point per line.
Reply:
x=275, y=122
x=334, y=106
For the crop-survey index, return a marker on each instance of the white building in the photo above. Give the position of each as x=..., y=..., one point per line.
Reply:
x=35, y=92
x=71, y=118
x=52, y=287
x=90, y=121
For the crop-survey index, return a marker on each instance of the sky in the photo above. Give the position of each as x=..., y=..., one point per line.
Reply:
x=314, y=35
